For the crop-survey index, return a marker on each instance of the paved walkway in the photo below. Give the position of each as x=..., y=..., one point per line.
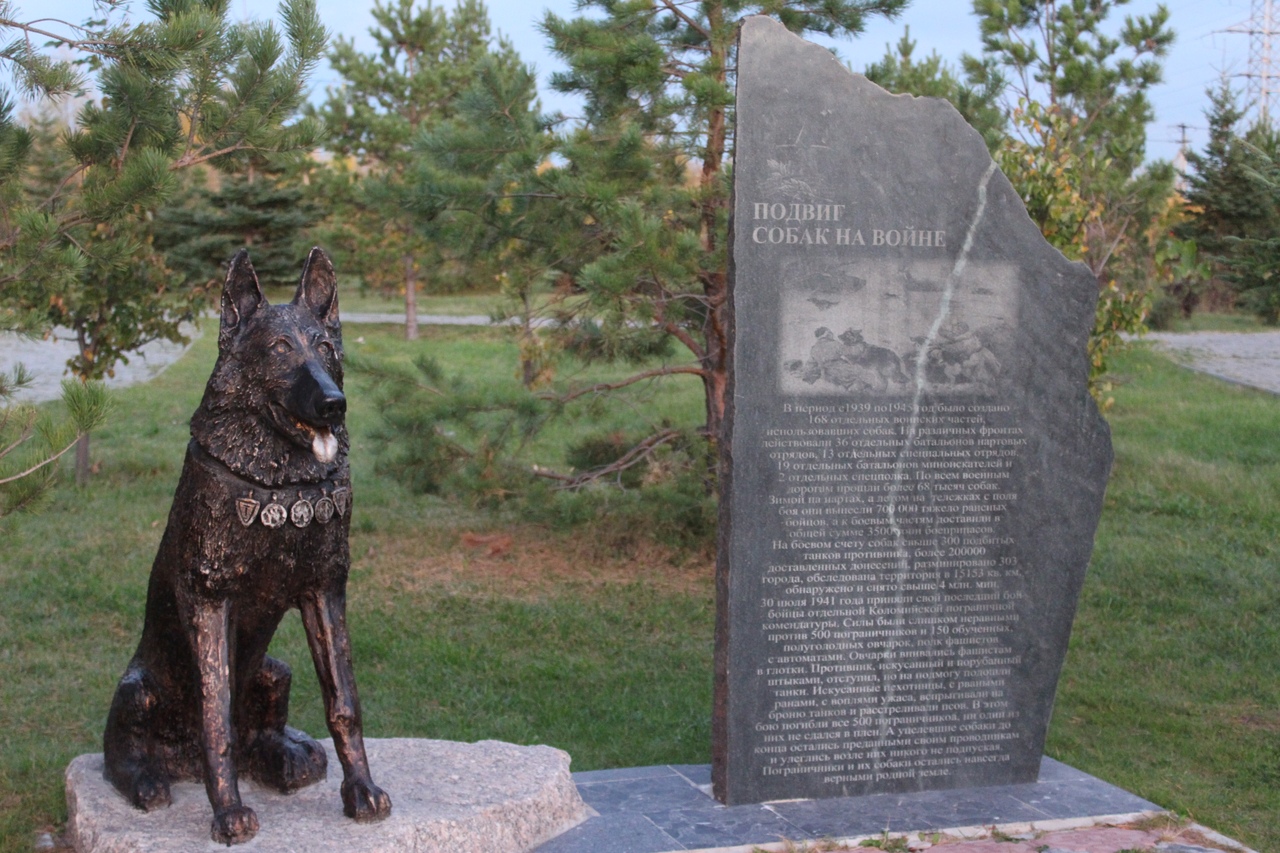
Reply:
x=667, y=809
x=1246, y=358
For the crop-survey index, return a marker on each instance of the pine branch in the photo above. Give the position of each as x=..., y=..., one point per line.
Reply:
x=674, y=329
x=62, y=185
x=34, y=468
x=187, y=160
x=27, y=432
x=693, y=24
x=631, y=458
x=602, y=387
x=97, y=47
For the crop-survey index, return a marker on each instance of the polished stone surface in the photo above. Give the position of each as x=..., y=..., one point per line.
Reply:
x=446, y=797
x=913, y=467
x=670, y=808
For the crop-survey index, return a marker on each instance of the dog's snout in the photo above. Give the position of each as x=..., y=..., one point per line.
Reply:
x=332, y=407
x=316, y=398
x=328, y=404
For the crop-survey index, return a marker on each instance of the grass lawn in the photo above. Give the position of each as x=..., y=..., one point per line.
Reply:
x=1206, y=321
x=371, y=301
x=468, y=626
x=353, y=300
x=1172, y=682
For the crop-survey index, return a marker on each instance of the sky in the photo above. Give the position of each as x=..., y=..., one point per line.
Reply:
x=1200, y=55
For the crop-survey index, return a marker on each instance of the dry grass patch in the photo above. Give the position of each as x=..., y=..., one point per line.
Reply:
x=526, y=563
x=1256, y=718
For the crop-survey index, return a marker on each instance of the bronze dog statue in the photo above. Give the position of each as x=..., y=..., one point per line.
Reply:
x=259, y=524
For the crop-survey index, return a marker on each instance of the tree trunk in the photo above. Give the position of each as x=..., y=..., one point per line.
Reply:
x=82, y=460
x=715, y=282
x=715, y=383
x=410, y=300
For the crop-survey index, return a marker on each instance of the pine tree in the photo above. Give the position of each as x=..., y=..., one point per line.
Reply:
x=187, y=88
x=622, y=215
x=1077, y=97
x=1059, y=54
x=647, y=170
x=424, y=59
x=900, y=73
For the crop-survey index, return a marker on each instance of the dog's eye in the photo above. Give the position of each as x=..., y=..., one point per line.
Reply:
x=325, y=347
x=282, y=347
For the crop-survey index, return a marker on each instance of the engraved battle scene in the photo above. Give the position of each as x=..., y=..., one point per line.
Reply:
x=883, y=328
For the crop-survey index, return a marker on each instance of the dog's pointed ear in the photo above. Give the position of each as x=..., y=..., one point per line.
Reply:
x=318, y=287
x=241, y=297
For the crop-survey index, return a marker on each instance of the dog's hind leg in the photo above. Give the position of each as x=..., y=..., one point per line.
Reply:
x=233, y=822
x=275, y=754
x=324, y=617
x=128, y=745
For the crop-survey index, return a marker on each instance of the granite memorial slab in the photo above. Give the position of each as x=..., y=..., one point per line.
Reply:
x=912, y=467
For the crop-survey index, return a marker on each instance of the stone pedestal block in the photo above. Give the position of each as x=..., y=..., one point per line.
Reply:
x=491, y=796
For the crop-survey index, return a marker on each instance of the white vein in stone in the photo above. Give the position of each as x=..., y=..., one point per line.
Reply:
x=899, y=471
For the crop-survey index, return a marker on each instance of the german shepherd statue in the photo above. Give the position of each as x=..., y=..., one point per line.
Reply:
x=258, y=525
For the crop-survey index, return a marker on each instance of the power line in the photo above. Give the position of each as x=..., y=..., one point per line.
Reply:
x=1263, y=63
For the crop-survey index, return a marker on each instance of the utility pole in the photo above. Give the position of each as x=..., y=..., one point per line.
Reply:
x=1264, y=81
x=1183, y=142
x=1180, y=161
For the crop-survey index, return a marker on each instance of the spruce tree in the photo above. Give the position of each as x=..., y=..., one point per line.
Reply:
x=266, y=211
x=1235, y=198
x=1224, y=188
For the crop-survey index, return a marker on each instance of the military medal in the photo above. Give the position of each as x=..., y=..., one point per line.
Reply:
x=342, y=500
x=324, y=510
x=274, y=515
x=301, y=512
x=247, y=509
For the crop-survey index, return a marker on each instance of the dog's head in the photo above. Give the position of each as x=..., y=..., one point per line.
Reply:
x=274, y=409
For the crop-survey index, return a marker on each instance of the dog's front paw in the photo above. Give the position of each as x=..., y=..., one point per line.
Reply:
x=149, y=792
x=286, y=760
x=364, y=801
x=234, y=825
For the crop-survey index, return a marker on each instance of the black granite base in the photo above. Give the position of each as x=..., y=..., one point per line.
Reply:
x=668, y=808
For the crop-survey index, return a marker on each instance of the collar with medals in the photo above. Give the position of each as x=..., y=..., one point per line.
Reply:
x=299, y=504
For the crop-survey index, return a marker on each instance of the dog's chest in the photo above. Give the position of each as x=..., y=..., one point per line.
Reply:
x=227, y=535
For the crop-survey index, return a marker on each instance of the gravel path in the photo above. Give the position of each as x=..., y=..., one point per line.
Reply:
x=46, y=360
x=1247, y=358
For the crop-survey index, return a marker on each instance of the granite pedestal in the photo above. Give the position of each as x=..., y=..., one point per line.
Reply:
x=490, y=796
